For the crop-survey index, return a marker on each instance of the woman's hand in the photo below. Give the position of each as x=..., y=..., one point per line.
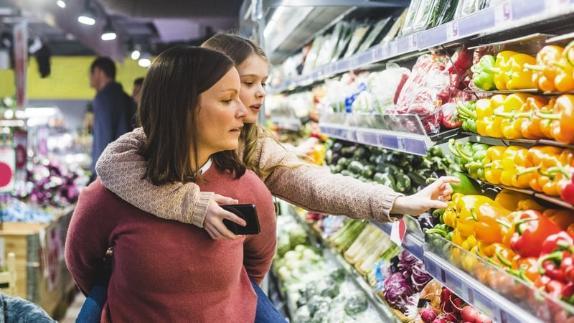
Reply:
x=213, y=222
x=431, y=197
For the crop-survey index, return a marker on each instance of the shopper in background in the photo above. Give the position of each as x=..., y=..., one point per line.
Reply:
x=165, y=271
x=113, y=108
x=121, y=168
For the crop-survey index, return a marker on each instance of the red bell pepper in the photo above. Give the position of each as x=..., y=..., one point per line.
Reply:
x=557, y=241
x=531, y=228
x=567, y=191
x=567, y=268
x=554, y=288
x=558, y=265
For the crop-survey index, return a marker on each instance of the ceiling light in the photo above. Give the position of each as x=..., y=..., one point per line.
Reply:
x=86, y=20
x=61, y=4
x=109, y=36
x=87, y=17
x=136, y=54
x=108, y=33
x=144, y=62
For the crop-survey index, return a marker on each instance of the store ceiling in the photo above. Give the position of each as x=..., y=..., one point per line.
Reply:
x=153, y=24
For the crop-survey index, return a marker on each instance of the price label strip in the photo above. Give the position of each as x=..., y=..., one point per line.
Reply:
x=503, y=13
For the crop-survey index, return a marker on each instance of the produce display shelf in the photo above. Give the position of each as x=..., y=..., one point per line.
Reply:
x=508, y=15
x=292, y=124
x=380, y=305
x=528, y=143
x=317, y=240
x=528, y=91
x=466, y=287
x=411, y=143
x=550, y=199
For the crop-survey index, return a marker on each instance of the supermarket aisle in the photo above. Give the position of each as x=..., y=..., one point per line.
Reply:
x=74, y=309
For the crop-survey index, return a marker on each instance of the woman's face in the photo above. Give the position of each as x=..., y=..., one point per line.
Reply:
x=221, y=115
x=253, y=73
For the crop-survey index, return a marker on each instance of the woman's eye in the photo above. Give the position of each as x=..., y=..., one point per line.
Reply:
x=226, y=101
x=248, y=83
x=264, y=84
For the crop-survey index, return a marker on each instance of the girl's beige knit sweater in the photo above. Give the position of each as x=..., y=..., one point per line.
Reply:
x=121, y=170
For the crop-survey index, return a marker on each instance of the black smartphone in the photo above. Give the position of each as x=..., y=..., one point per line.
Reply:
x=248, y=213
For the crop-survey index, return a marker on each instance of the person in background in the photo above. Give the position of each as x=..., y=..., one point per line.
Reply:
x=136, y=92
x=167, y=271
x=113, y=108
x=16, y=310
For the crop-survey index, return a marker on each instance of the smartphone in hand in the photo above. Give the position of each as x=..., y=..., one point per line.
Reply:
x=248, y=213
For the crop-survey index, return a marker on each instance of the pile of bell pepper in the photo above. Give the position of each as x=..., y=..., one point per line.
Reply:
x=515, y=233
x=544, y=169
x=554, y=68
x=521, y=116
x=505, y=72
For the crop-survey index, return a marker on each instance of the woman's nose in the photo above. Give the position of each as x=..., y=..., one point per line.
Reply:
x=241, y=110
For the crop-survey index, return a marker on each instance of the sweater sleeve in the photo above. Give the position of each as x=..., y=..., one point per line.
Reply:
x=88, y=237
x=317, y=189
x=259, y=249
x=121, y=169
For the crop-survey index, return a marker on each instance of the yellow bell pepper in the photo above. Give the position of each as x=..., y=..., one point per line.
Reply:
x=519, y=77
x=501, y=69
x=484, y=108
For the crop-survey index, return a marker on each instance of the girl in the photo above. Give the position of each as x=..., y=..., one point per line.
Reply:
x=121, y=169
x=165, y=271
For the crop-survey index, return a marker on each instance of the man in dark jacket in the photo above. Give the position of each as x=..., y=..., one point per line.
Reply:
x=113, y=108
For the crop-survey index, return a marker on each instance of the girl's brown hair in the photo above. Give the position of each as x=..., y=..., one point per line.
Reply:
x=168, y=113
x=239, y=49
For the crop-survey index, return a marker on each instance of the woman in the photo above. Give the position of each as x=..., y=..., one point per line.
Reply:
x=165, y=271
x=121, y=169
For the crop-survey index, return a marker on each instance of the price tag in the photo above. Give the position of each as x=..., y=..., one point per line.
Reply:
x=398, y=231
x=452, y=31
x=503, y=13
x=555, y=6
x=7, y=168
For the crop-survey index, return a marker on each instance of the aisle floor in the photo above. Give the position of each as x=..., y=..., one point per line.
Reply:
x=74, y=309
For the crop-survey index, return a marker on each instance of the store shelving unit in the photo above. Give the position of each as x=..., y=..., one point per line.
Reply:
x=516, y=142
x=508, y=15
x=487, y=25
x=401, y=132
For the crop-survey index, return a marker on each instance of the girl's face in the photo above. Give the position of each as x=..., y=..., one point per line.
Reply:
x=253, y=73
x=221, y=115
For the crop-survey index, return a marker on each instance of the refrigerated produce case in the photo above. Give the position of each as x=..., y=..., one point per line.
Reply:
x=486, y=96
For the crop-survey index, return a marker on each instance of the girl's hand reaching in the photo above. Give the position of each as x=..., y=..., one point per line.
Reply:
x=213, y=222
x=434, y=196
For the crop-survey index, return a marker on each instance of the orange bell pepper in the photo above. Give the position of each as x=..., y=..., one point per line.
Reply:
x=487, y=227
x=544, y=72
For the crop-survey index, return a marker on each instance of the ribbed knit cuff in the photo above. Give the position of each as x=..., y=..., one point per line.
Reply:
x=386, y=203
x=200, y=209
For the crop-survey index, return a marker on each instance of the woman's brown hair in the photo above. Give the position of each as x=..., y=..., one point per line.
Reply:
x=239, y=49
x=168, y=113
